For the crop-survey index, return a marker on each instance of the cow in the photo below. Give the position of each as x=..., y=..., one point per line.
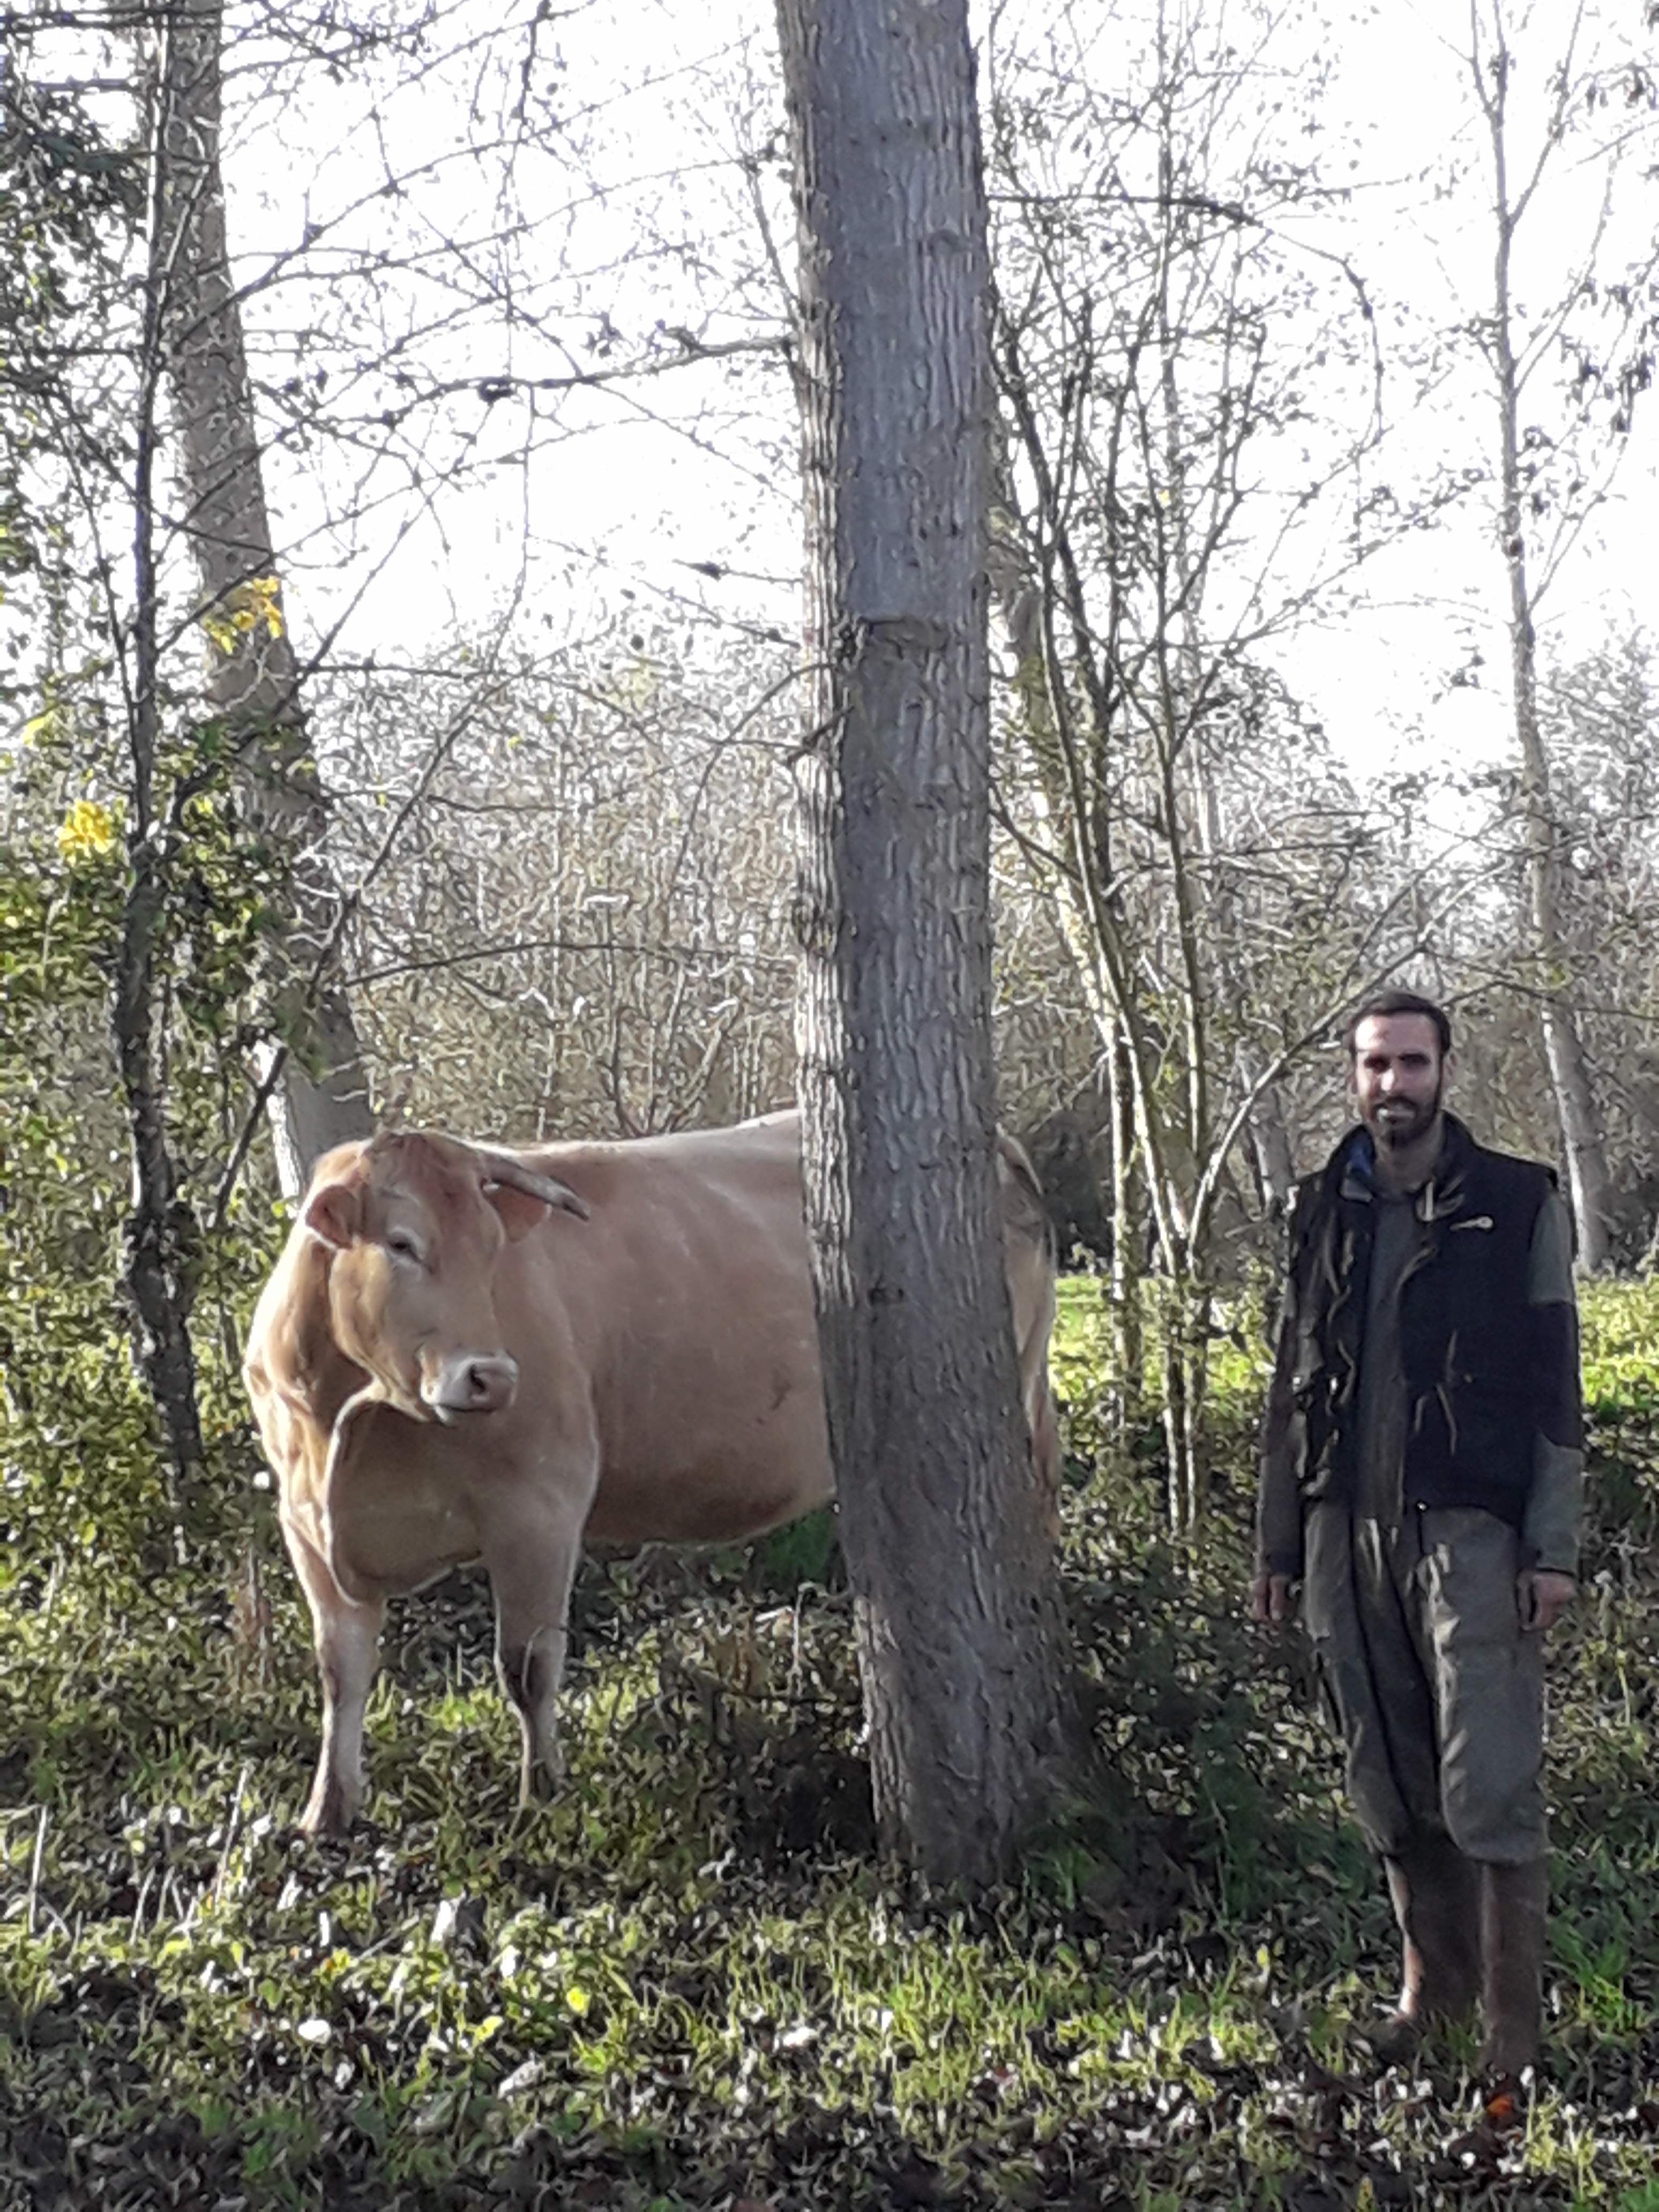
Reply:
x=472, y=1353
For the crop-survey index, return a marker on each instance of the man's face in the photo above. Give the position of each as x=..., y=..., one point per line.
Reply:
x=1398, y=1077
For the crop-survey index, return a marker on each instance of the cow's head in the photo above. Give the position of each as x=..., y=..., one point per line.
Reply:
x=414, y=1224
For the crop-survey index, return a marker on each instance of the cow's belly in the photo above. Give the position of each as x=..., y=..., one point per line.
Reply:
x=710, y=1427
x=703, y=1505
x=721, y=1489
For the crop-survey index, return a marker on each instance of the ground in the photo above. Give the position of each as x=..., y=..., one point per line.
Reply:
x=694, y=1983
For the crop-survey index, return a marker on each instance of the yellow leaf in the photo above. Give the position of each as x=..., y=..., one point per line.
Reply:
x=253, y=606
x=86, y=832
x=264, y=594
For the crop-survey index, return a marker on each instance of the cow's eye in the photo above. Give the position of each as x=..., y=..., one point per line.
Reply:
x=402, y=1247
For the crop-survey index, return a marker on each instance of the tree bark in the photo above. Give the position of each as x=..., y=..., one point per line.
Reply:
x=944, y=1529
x=1270, y=1141
x=253, y=681
x=160, y=1233
x=1128, y=1268
x=1591, y=1184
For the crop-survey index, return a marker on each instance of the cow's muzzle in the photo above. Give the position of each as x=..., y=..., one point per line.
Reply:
x=474, y=1383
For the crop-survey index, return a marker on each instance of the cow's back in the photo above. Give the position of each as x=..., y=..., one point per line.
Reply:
x=681, y=1308
x=685, y=1304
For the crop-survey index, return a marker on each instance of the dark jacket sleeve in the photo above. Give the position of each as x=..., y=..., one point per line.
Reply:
x=1279, y=1494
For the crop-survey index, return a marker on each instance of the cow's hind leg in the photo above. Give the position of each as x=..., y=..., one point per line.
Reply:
x=531, y=1570
x=347, y=1635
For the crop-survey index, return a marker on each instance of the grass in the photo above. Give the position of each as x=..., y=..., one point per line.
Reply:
x=693, y=1982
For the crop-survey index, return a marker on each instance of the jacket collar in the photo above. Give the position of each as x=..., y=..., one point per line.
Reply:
x=1350, y=1173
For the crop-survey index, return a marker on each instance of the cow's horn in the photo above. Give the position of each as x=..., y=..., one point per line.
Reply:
x=498, y=1168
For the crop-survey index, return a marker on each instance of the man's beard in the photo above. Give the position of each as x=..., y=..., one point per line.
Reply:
x=1393, y=1127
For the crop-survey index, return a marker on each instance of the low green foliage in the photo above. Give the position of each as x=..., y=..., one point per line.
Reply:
x=695, y=1980
x=82, y=1473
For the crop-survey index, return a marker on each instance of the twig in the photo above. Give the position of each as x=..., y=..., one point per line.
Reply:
x=34, y=1870
x=245, y=1135
x=230, y=1834
x=612, y=946
x=345, y=911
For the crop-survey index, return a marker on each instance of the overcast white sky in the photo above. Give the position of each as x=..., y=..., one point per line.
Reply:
x=1406, y=89
x=651, y=105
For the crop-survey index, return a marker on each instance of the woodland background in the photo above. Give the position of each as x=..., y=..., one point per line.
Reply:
x=400, y=688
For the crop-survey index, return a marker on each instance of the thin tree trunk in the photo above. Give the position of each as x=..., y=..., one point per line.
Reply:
x=1570, y=1076
x=1270, y=1141
x=159, y=1231
x=1128, y=1244
x=944, y=1529
x=1179, y=1504
x=253, y=686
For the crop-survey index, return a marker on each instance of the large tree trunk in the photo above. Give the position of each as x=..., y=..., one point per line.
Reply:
x=1569, y=1065
x=323, y=1098
x=944, y=1529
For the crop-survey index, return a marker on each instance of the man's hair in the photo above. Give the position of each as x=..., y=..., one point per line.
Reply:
x=1385, y=1003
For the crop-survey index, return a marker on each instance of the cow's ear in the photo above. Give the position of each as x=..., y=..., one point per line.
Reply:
x=332, y=1214
x=522, y=1210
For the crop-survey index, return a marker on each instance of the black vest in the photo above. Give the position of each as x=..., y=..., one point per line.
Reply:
x=1479, y=1369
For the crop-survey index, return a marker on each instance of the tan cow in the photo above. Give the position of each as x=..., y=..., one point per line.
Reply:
x=473, y=1354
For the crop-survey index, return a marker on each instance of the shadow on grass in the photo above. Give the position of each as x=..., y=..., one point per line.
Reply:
x=694, y=1982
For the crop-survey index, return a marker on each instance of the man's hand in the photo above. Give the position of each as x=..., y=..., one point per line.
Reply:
x=1271, y=1600
x=1544, y=1596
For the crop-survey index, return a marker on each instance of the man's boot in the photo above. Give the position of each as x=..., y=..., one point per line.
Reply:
x=1437, y=1902
x=1513, y=1899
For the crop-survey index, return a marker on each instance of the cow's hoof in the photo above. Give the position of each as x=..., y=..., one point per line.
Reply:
x=1394, y=2040
x=327, y=1819
x=539, y=1785
x=1503, y=2100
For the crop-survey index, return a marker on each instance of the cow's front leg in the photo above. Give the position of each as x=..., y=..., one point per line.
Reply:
x=347, y=1635
x=531, y=1568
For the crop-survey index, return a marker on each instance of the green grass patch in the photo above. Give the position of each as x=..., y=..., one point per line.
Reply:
x=695, y=1980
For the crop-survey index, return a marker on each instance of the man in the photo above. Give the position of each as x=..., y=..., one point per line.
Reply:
x=1421, y=1476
